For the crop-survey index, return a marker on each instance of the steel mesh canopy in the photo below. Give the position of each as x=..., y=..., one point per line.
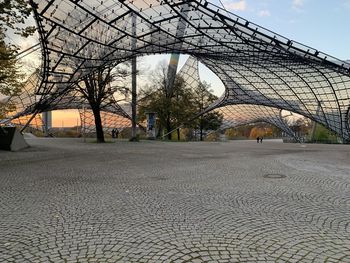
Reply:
x=23, y=103
x=257, y=66
x=26, y=101
x=238, y=115
x=235, y=114
x=110, y=121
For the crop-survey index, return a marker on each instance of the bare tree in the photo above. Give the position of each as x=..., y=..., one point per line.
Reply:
x=100, y=87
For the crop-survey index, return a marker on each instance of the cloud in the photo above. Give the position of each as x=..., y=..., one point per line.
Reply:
x=298, y=4
x=263, y=13
x=236, y=6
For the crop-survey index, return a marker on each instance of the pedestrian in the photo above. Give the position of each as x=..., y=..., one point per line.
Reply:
x=261, y=138
x=257, y=139
x=113, y=133
x=116, y=133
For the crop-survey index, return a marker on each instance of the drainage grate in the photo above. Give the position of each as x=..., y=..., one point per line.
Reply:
x=274, y=176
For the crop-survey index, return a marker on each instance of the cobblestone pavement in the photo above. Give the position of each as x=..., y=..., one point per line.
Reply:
x=67, y=201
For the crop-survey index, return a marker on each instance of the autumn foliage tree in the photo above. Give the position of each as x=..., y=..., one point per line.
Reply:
x=179, y=106
x=11, y=79
x=13, y=16
x=203, y=98
x=173, y=107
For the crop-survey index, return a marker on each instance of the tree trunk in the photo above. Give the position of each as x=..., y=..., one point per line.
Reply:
x=178, y=134
x=159, y=133
x=98, y=124
x=168, y=127
x=201, y=133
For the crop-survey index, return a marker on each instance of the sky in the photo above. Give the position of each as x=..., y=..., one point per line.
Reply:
x=321, y=24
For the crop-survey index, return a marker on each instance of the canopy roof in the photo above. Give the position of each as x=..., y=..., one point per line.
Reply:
x=257, y=66
x=236, y=114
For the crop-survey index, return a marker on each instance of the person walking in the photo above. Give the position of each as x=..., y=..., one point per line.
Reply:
x=261, y=138
x=257, y=139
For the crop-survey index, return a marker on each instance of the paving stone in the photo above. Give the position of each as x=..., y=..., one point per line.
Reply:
x=166, y=202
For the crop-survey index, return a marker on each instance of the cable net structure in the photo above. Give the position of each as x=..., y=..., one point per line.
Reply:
x=256, y=66
x=113, y=113
x=22, y=104
x=242, y=114
x=235, y=114
x=110, y=121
